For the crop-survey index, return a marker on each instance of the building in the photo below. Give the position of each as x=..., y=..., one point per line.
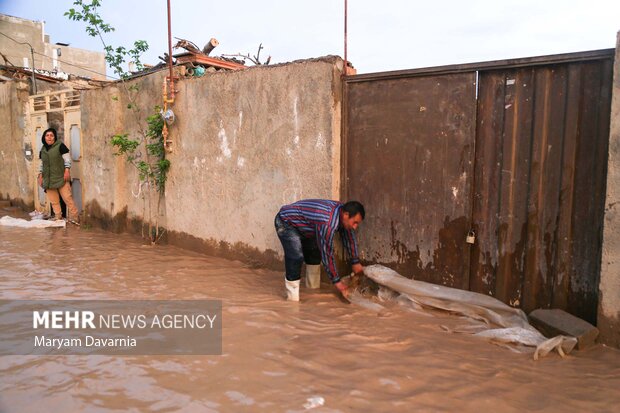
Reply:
x=23, y=39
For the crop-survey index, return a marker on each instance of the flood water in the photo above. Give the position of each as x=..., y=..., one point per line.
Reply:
x=319, y=355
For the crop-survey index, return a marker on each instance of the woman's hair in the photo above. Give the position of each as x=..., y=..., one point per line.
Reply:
x=49, y=130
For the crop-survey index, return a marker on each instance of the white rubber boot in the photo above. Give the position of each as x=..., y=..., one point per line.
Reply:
x=292, y=289
x=313, y=276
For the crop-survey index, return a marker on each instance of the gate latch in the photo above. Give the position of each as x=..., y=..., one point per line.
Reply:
x=471, y=237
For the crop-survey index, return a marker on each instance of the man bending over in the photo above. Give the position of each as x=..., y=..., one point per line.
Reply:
x=315, y=222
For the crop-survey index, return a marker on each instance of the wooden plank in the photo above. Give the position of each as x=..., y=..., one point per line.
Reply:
x=489, y=132
x=515, y=170
x=545, y=178
x=202, y=59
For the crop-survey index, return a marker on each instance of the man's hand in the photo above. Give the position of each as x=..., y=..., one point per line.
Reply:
x=67, y=175
x=344, y=290
x=357, y=268
x=40, y=180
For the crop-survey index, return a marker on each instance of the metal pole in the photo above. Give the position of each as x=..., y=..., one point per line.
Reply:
x=345, y=38
x=171, y=91
x=34, y=79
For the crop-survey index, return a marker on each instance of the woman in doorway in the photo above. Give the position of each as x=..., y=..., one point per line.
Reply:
x=55, y=176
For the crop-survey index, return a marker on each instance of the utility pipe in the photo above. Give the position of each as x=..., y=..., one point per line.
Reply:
x=345, y=38
x=34, y=78
x=170, y=77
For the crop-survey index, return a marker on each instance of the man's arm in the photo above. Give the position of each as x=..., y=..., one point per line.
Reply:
x=325, y=240
x=349, y=242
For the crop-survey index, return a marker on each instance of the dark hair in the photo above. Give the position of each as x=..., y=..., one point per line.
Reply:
x=354, y=208
x=49, y=130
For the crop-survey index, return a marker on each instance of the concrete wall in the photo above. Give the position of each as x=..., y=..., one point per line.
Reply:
x=609, y=289
x=72, y=60
x=16, y=173
x=248, y=142
x=112, y=193
x=245, y=143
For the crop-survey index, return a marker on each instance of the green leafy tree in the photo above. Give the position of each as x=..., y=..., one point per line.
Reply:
x=95, y=27
x=146, y=151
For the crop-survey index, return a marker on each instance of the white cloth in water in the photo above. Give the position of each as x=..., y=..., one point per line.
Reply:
x=503, y=324
x=314, y=401
x=37, y=223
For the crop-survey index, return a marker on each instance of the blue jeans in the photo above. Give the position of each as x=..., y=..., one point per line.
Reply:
x=293, y=251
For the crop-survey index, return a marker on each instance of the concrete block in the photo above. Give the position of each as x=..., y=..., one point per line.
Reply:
x=553, y=322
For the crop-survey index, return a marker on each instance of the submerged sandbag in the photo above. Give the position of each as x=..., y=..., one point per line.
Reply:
x=504, y=324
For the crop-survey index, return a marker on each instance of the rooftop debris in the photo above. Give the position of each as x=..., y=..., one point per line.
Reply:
x=254, y=59
x=8, y=73
x=187, y=45
x=212, y=44
x=202, y=59
x=20, y=73
x=195, y=56
x=194, y=61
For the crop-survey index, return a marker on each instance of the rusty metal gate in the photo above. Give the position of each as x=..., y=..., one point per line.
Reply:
x=512, y=152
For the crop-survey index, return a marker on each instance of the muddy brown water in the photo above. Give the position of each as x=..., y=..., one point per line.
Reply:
x=277, y=356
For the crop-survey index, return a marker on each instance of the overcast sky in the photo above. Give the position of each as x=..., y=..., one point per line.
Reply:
x=382, y=35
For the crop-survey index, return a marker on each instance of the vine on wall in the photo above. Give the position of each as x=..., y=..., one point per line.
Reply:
x=145, y=151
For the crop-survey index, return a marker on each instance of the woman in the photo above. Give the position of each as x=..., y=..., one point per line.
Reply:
x=54, y=174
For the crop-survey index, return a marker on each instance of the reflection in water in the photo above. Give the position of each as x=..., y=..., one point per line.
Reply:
x=319, y=354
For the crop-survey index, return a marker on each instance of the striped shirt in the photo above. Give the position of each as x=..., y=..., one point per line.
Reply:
x=320, y=219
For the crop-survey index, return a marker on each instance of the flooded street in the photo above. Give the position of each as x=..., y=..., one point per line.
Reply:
x=319, y=355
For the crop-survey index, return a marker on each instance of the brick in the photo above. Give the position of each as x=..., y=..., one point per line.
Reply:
x=553, y=322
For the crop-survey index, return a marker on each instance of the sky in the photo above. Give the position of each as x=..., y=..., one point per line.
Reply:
x=382, y=35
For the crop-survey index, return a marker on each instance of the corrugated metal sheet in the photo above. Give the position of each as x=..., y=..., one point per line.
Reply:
x=533, y=188
x=410, y=146
x=541, y=156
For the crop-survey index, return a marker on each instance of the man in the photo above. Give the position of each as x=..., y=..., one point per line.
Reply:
x=314, y=222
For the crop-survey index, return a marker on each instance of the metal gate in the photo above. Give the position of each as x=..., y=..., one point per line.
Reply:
x=61, y=110
x=515, y=151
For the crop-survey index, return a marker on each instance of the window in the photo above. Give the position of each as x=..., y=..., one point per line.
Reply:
x=76, y=192
x=75, y=142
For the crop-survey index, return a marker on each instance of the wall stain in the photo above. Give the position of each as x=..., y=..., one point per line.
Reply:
x=251, y=256
x=18, y=202
x=448, y=264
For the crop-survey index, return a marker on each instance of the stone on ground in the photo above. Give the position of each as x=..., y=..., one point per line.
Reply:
x=553, y=322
